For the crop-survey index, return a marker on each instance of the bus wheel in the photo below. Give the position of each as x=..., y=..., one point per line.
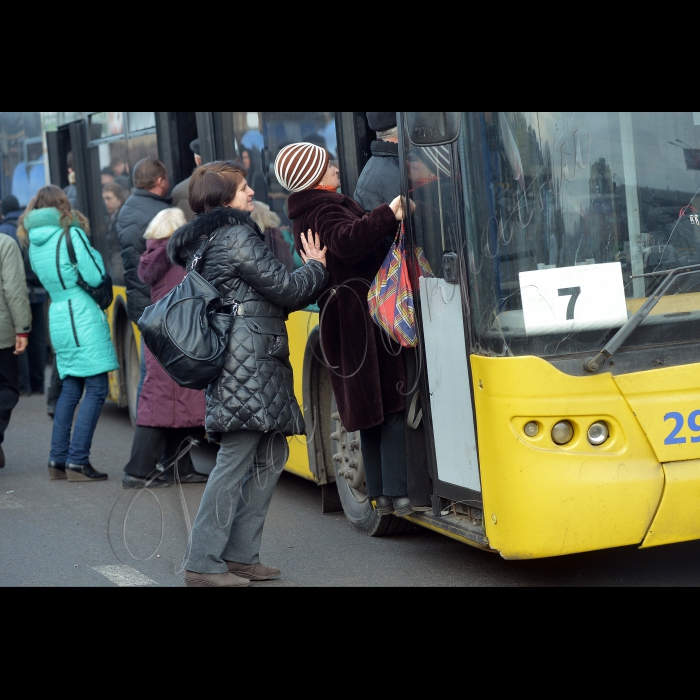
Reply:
x=352, y=490
x=132, y=369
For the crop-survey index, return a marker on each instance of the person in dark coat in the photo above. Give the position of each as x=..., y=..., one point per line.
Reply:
x=379, y=181
x=251, y=407
x=181, y=192
x=167, y=413
x=113, y=196
x=367, y=375
x=32, y=364
x=149, y=198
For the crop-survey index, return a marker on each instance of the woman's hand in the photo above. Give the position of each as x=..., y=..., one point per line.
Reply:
x=312, y=248
x=398, y=206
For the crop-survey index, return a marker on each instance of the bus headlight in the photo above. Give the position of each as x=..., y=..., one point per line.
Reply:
x=531, y=429
x=562, y=432
x=598, y=433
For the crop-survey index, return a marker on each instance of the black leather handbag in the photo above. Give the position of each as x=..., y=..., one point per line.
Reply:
x=104, y=293
x=185, y=332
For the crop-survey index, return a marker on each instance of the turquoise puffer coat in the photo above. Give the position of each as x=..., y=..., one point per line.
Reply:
x=79, y=328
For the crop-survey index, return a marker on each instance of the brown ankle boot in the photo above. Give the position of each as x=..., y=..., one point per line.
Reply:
x=195, y=580
x=254, y=572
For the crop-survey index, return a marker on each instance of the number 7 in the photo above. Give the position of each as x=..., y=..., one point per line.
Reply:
x=574, y=293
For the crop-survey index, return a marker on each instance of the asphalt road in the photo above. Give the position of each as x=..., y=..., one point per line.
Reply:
x=55, y=533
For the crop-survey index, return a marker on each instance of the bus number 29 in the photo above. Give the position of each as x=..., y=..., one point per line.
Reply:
x=673, y=438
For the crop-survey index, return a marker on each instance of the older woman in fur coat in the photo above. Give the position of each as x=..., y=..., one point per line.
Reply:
x=167, y=413
x=368, y=379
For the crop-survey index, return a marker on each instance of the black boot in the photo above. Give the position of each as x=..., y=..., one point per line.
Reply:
x=57, y=471
x=84, y=472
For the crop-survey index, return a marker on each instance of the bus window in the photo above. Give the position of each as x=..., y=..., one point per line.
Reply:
x=21, y=155
x=613, y=192
x=259, y=138
x=429, y=172
x=117, y=143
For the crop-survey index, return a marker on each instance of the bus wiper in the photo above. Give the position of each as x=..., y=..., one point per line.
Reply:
x=593, y=364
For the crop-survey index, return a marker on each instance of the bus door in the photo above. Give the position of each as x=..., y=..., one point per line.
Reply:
x=429, y=181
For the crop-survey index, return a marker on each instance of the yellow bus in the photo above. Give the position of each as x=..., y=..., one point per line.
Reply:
x=559, y=377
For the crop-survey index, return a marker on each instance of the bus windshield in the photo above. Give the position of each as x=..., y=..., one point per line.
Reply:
x=565, y=217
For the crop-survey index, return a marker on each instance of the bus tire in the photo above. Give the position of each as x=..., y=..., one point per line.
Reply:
x=132, y=369
x=363, y=518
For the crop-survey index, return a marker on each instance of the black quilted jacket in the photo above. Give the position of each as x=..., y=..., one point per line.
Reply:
x=255, y=390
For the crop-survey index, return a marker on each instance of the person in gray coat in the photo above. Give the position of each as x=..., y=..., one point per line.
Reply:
x=379, y=182
x=181, y=192
x=15, y=325
x=251, y=407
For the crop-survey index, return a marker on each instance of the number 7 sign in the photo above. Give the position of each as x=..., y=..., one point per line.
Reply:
x=580, y=298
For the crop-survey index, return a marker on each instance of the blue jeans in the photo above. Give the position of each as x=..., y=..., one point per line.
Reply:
x=76, y=450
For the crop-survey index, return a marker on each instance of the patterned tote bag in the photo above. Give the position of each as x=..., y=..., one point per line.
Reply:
x=390, y=297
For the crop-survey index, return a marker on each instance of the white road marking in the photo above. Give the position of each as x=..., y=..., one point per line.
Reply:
x=124, y=576
x=10, y=502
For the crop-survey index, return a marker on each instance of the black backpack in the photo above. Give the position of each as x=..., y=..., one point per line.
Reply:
x=184, y=330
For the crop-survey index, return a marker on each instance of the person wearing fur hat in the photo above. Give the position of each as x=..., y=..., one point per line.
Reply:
x=167, y=414
x=380, y=181
x=251, y=407
x=366, y=376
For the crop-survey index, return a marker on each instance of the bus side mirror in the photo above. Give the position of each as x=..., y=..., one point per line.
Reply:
x=432, y=128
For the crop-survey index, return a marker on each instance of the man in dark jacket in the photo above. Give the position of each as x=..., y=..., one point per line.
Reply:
x=149, y=198
x=379, y=182
x=11, y=211
x=181, y=193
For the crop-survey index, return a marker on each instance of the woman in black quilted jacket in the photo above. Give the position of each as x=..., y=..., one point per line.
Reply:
x=251, y=408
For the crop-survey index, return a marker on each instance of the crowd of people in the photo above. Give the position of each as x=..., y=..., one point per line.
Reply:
x=338, y=244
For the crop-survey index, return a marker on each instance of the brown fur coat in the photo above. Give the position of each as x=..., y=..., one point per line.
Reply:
x=368, y=381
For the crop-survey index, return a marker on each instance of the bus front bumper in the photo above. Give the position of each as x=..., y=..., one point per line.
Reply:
x=678, y=516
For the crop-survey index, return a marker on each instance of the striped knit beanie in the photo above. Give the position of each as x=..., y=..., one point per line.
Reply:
x=301, y=166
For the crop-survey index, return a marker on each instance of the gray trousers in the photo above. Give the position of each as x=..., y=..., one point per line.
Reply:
x=231, y=516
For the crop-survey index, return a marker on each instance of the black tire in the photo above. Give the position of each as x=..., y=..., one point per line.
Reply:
x=131, y=368
x=357, y=507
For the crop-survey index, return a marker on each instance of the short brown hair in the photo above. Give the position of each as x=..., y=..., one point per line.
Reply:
x=147, y=173
x=117, y=190
x=215, y=185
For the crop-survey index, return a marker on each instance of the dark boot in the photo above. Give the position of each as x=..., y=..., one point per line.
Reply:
x=84, y=472
x=384, y=505
x=2, y=458
x=57, y=471
x=129, y=481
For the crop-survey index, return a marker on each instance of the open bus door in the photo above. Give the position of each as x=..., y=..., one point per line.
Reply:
x=430, y=174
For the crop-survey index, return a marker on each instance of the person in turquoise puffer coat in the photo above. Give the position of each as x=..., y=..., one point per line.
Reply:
x=79, y=328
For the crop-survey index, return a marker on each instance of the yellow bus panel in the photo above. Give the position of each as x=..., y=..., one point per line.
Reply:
x=667, y=404
x=542, y=499
x=678, y=517
x=299, y=326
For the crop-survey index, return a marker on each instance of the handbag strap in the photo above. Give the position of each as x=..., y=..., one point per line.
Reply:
x=71, y=250
x=245, y=287
x=58, y=259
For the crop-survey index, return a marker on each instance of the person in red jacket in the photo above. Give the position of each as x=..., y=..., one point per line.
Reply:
x=167, y=413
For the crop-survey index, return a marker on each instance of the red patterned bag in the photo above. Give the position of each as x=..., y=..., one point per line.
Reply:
x=390, y=297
